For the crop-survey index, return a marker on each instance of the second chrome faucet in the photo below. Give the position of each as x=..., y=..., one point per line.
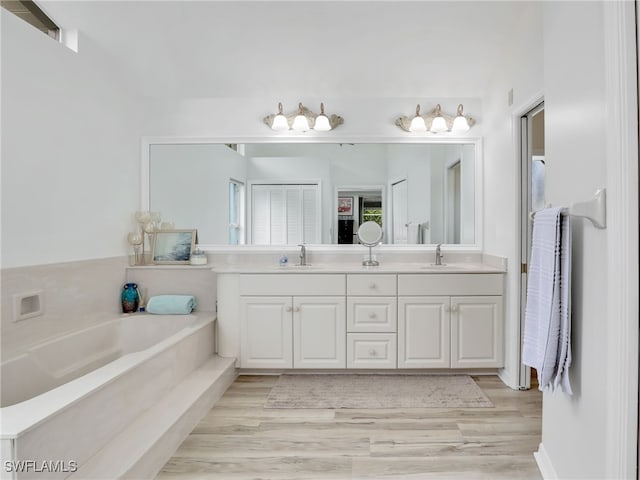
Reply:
x=303, y=254
x=439, y=255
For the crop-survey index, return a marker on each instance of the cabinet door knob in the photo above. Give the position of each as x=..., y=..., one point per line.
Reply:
x=296, y=309
x=454, y=308
x=288, y=309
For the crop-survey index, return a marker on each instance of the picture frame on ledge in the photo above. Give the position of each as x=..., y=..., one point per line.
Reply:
x=173, y=247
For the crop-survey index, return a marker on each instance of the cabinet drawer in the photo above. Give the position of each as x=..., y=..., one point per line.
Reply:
x=371, y=284
x=450, y=284
x=371, y=350
x=372, y=314
x=292, y=284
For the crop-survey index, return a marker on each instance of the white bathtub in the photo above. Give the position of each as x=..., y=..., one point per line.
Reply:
x=69, y=396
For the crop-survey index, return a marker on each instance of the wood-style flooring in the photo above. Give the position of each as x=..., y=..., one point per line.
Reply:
x=239, y=439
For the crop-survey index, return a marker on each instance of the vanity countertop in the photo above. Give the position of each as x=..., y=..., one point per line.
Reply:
x=356, y=268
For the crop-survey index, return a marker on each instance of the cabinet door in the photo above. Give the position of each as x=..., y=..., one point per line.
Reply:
x=476, y=332
x=266, y=332
x=423, y=332
x=319, y=332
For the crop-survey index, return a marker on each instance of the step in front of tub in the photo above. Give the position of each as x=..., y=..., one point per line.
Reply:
x=142, y=449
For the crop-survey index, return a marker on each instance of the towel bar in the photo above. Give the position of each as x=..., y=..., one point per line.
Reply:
x=594, y=210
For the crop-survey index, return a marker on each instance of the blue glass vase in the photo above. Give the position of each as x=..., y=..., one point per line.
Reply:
x=130, y=298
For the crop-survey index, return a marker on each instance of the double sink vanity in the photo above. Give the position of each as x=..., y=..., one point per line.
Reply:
x=337, y=316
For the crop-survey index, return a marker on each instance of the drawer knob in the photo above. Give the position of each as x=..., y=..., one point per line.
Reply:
x=373, y=286
x=373, y=352
x=372, y=315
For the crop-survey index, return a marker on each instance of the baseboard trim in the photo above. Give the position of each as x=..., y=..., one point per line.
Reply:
x=544, y=464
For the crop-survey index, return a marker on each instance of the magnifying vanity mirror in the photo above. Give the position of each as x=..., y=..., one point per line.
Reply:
x=316, y=193
x=370, y=235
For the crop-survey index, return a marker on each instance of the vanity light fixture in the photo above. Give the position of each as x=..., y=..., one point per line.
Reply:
x=438, y=124
x=280, y=122
x=417, y=123
x=322, y=121
x=460, y=123
x=436, y=121
x=302, y=120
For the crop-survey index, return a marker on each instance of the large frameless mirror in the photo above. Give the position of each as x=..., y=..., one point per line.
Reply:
x=292, y=193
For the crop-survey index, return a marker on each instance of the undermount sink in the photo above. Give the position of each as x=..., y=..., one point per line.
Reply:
x=447, y=266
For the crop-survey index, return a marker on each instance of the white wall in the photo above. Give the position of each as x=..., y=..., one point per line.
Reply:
x=414, y=164
x=181, y=176
x=70, y=150
x=521, y=70
x=574, y=428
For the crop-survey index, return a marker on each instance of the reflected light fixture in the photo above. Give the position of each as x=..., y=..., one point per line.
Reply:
x=436, y=122
x=460, y=123
x=417, y=123
x=303, y=120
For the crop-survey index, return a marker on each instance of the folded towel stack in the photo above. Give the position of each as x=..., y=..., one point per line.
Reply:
x=171, y=304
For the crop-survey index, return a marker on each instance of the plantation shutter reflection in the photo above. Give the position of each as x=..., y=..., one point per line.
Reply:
x=285, y=214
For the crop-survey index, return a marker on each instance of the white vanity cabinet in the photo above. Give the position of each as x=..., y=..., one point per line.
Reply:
x=266, y=332
x=292, y=321
x=450, y=321
x=476, y=332
x=362, y=320
x=371, y=321
x=424, y=328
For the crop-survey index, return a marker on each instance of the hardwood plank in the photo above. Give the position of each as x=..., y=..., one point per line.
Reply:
x=240, y=439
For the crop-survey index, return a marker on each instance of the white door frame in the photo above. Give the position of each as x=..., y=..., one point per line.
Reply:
x=621, y=382
x=525, y=137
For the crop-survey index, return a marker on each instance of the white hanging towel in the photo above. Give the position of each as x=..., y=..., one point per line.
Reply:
x=413, y=233
x=547, y=328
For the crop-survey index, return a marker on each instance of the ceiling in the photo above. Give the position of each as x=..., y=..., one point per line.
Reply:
x=268, y=48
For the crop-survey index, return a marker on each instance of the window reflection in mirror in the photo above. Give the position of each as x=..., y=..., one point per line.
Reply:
x=279, y=193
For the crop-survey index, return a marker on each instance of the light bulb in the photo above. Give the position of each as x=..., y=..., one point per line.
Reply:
x=300, y=123
x=417, y=123
x=438, y=124
x=322, y=124
x=280, y=122
x=322, y=121
x=460, y=123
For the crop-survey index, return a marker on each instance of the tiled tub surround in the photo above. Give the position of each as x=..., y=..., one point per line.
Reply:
x=75, y=295
x=125, y=418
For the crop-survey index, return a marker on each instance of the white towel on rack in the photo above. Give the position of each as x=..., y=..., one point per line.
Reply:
x=547, y=331
x=413, y=233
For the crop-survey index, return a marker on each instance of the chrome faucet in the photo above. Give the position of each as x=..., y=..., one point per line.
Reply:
x=303, y=254
x=439, y=255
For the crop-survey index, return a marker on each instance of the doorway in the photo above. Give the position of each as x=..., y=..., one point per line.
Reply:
x=533, y=178
x=357, y=204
